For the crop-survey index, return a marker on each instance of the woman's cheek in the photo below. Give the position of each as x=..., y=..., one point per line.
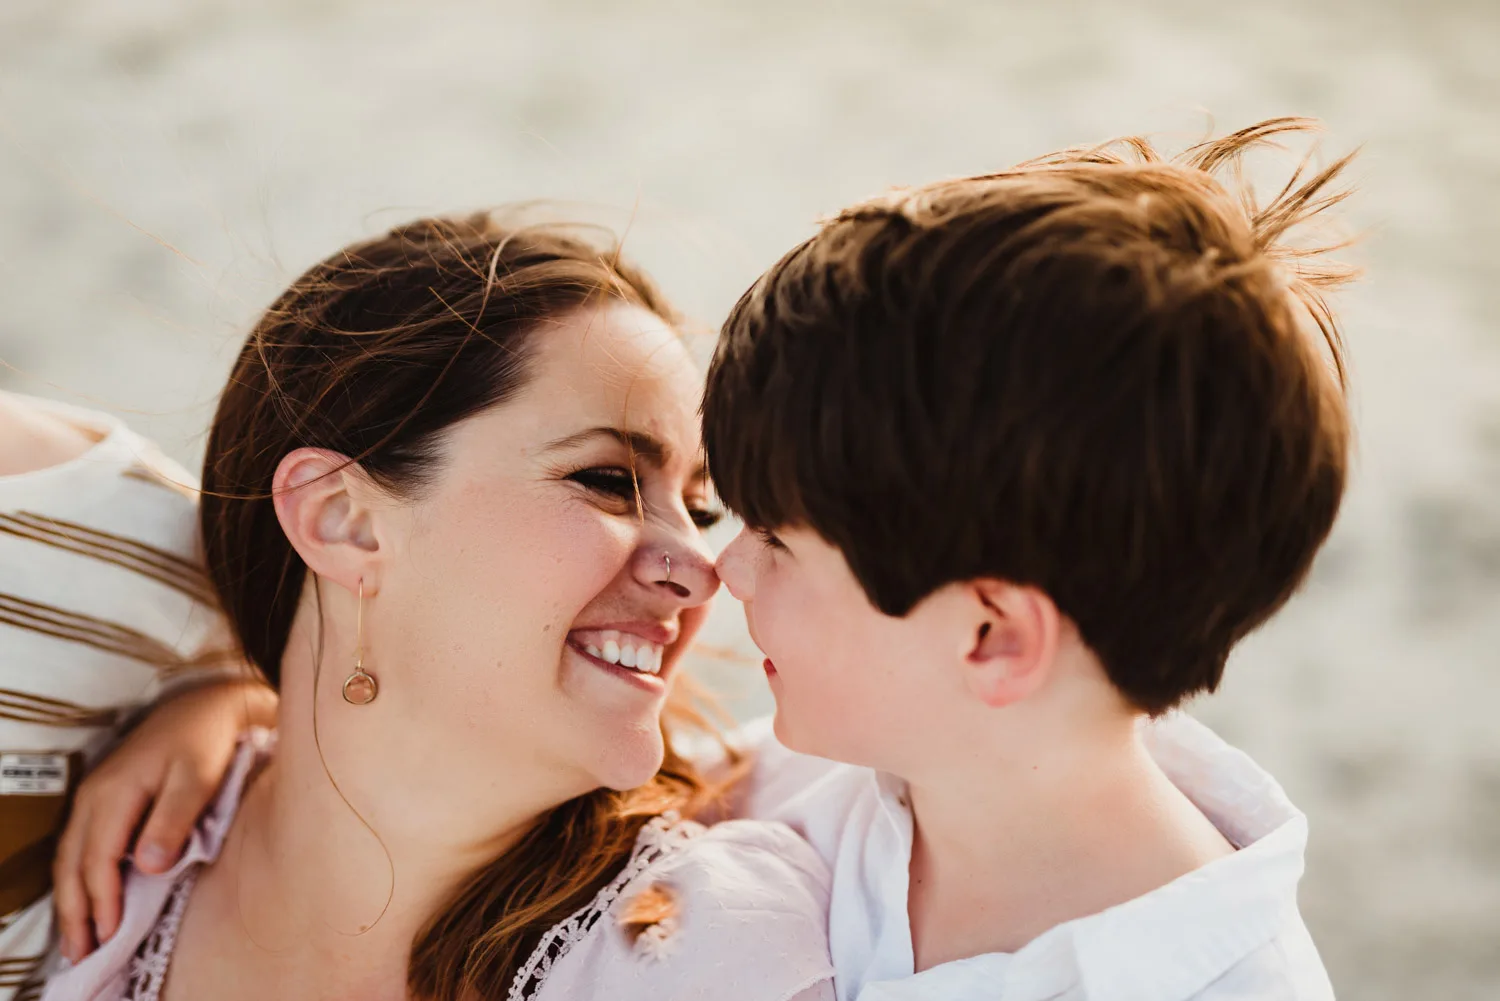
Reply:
x=574, y=536
x=690, y=623
x=599, y=545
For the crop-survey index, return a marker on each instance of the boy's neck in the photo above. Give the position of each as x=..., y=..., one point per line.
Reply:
x=1007, y=849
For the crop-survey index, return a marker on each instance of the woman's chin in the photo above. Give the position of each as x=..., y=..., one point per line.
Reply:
x=632, y=760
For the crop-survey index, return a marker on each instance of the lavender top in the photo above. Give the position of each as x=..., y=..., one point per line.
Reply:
x=749, y=925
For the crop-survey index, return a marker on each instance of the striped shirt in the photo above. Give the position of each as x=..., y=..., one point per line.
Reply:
x=104, y=607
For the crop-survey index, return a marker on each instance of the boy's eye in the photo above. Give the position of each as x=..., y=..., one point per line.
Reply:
x=768, y=538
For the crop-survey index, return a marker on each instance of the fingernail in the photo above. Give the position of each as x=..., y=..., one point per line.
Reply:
x=152, y=857
x=102, y=932
x=69, y=950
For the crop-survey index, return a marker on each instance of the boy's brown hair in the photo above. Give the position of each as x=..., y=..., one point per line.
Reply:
x=1091, y=374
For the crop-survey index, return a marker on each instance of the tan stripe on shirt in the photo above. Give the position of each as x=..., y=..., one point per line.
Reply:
x=76, y=627
x=161, y=566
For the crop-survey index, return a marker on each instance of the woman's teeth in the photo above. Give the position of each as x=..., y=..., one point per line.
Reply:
x=626, y=651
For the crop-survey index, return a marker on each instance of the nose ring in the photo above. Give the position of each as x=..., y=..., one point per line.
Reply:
x=668, y=558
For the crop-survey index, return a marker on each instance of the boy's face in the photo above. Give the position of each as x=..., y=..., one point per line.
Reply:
x=850, y=682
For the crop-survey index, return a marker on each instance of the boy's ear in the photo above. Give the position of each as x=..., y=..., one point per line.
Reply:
x=321, y=500
x=1013, y=642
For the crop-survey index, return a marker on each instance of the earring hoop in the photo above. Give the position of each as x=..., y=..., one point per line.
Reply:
x=360, y=688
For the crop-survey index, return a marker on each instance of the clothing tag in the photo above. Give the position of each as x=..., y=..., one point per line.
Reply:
x=33, y=774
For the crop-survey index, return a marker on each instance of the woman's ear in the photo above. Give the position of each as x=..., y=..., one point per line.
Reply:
x=1013, y=643
x=321, y=501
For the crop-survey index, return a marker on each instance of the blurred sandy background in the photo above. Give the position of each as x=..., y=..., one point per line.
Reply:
x=253, y=138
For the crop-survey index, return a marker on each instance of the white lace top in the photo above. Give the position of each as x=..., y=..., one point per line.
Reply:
x=657, y=839
x=748, y=922
x=148, y=968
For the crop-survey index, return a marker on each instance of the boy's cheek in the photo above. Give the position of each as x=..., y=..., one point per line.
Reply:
x=827, y=720
x=821, y=708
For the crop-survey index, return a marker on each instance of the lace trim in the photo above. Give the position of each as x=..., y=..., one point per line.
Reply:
x=659, y=837
x=148, y=967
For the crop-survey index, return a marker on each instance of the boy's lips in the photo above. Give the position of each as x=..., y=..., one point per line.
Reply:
x=770, y=667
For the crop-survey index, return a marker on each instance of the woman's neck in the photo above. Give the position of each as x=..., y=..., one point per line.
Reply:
x=335, y=862
x=305, y=901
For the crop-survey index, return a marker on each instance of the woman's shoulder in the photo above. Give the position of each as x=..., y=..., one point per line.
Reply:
x=748, y=859
x=737, y=910
x=136, y=949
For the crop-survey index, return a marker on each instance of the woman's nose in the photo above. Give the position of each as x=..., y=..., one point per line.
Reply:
x=678, y=565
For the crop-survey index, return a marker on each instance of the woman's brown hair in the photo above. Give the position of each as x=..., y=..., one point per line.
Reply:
x=373, y=354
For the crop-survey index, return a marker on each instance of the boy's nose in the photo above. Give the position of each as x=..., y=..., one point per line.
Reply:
x=733, y=568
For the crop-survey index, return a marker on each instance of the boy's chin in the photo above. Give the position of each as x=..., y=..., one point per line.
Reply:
x=779, y=727
x=796, y=738
x=831, y=744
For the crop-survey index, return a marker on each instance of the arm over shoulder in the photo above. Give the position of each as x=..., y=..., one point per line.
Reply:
x=747, y=921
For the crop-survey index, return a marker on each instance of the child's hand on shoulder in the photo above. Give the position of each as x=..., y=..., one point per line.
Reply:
x=165, y=771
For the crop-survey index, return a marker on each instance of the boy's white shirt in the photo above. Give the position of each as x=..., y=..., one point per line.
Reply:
x=1230, y=930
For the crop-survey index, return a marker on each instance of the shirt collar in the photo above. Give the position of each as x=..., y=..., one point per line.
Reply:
x=1172, y=942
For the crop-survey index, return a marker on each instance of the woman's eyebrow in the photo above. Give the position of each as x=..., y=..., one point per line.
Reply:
x=641, y=443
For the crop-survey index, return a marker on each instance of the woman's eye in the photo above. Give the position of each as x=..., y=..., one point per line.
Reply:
x=617, y=481
x=705, y=517
x=611, y=480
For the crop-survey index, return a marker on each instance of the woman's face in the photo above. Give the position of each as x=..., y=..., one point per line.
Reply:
x=527, y=626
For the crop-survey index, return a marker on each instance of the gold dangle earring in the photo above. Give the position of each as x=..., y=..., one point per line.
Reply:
x=360, y=688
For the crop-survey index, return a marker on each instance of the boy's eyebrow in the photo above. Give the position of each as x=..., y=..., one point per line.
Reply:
x=641, y=443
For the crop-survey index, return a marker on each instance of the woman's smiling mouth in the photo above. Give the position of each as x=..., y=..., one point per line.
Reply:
x=620, y=648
